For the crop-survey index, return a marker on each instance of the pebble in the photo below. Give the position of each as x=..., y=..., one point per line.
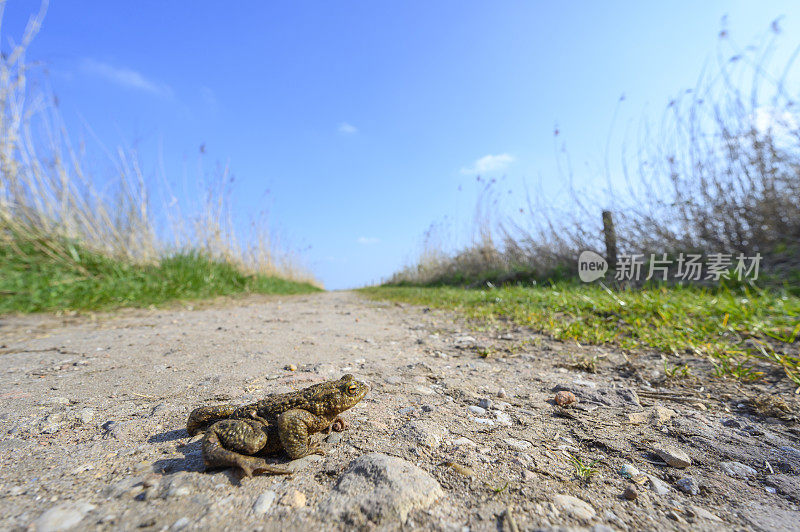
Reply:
x=629, y=471
x=518, y=445
x=181, y=523
x=688, y=485
x=485, y=403
x=705, y=514
x=574, y=506
x=56, y=401
x=464, y=442
x=86, y=415
x=565, y=398
x=657, y=485
x=427, y=408
x=294, y=499
x=290, y=367
x=394, y=379
x=406, y=410
x=464, y=341
x=503, y=419
x=502, y=393
x=630, y=493
x=477, y=410
x=737, y=469
x=673, y=456
x=62, y=517
x=483, y=421
x=264, y=502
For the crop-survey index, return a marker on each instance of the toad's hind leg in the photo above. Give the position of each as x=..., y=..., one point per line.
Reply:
x=228, y=443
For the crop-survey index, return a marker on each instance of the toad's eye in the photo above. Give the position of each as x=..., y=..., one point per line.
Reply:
x=351, y=389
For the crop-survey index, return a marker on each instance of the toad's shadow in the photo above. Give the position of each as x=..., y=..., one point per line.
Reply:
x=170, y=435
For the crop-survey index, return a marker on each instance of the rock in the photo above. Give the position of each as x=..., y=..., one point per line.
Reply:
x=673, y=456
x=424, y=433
x=181, y=523
x=477, y=410
x=464, y=442
x=657, y=415
x=264, y=502
x=503, y=419
x=501, y=393
x=518, y=445
x=427, y=408
x=574, y=506
x=688, y=486
x=406, y=411
x=464, y=342
x=290, y=367
x=586, y=391
x=62, y=517
x=394, y=379
x=159, y=409
x=58, y=400
x=527, y=474
x=483, y=421
x=702, y=513
x=302, y=463
x=737, y=469
x=376, y=487
x=485, y=403
x=657, y=485
x=424, y=390
x=86, y=415
x=786, y=485
x=629, y=471
x=630, y=493
x=565, y=398
x=294, y=499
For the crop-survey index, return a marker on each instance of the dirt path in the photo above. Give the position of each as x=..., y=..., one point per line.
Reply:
x=92, y=417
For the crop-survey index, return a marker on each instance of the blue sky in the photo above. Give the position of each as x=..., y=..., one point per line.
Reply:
x=357, y=124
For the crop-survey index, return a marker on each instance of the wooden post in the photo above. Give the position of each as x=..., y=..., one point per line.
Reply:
x=611, y=240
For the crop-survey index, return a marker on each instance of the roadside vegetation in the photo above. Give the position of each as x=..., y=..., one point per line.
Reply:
x=720, y=174
x=75, y=237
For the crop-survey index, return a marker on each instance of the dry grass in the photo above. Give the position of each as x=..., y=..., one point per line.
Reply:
x=50, y=200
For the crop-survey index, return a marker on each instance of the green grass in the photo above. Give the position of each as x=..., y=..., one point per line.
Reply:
x=732, y=327
x=40, y=275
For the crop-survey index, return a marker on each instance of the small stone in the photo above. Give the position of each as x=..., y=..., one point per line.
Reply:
x=86, y=415
x=290, y=367
x=477, y=410
x=732, y=423
x=406, y=411
x=62, y=517
x=688, y=486
x=464, y=442
x=518, y=445
x=630, y=493
x=737, y=469
x=181, y=523
x=501, y=393
x=673, y=456
x=657, y=485
x=464, y=342
x=264, y=502
x=503, y=418
x=705, y=514
x=527, y=474
x=565, y=398
x=485, y=403
x=56, y=401
x=629, y=471
x=159, y=409
x=427, y=408
x=574, y=506
x=394, y=379
x=302, y=463
x=16, y=490
x=661, y=414
x=424, y=390
x=294, y=499
x=483, y=421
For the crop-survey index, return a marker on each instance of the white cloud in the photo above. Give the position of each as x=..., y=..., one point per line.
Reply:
x=489, y=164
x=368, y=240
x=124, y=77
x=347, y=129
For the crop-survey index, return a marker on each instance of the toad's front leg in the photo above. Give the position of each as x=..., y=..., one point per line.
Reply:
x=230, y=442
x=295, y=428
